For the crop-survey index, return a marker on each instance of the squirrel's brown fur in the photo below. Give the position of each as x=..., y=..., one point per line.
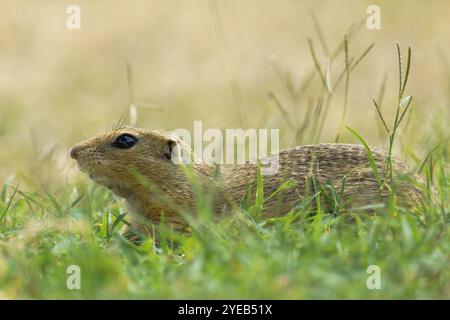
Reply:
x=154, y=186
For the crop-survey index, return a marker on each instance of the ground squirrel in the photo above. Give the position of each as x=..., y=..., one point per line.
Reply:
x=137, y=164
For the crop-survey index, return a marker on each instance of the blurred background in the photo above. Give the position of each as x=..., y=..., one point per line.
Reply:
x=221, y=62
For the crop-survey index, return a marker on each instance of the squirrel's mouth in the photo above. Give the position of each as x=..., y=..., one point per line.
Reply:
x=119, y=189
x=83, y=167
x=99, y=179
x=92, y=175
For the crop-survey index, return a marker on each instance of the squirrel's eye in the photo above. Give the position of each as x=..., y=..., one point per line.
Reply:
x=124, y=141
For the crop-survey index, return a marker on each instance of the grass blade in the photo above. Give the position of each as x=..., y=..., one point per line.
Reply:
x=369, y=156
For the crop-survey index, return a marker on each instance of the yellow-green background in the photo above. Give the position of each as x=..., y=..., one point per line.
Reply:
x=59, y=86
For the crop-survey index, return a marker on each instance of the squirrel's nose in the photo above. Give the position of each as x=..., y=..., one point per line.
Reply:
x=74, y=151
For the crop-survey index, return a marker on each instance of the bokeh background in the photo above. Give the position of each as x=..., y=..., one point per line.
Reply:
x=60, y=86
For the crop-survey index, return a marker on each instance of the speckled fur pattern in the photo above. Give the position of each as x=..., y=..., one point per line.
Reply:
x=332, y=164
x=155, y=186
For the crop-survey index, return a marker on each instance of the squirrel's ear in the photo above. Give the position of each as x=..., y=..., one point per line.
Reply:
x=175, y=152
x=170, y=149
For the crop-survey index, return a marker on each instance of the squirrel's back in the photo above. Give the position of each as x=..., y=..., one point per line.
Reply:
x=342, y=169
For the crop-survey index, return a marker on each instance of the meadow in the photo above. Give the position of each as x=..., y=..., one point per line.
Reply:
x=309, y=68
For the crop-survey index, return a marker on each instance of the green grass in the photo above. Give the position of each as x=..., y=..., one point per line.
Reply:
x=296, y=256
x=307, y=253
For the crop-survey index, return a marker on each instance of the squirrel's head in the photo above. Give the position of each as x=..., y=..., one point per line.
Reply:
x=115, y=159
